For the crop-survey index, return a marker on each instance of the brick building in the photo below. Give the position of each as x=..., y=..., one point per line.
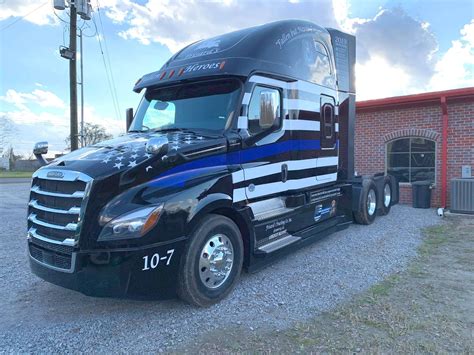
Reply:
x=427, y=136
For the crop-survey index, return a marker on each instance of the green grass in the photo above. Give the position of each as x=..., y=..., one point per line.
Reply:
x=16, y=174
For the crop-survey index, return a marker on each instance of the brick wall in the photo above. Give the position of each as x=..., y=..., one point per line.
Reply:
x=460, y=138
x=376, y=126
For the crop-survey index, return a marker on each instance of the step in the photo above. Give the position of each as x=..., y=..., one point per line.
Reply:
x=278, y=244
x=269, y=208
x=272, y=213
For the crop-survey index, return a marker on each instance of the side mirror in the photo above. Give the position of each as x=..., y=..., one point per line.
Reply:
x=129, y=117
x=269, y=107
x=39, y=149
x=157, y=145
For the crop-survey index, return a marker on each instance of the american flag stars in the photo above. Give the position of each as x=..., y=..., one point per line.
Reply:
x=133, y=154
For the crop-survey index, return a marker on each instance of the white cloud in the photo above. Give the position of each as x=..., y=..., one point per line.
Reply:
x=388, y=80
x=341, y=15
x=456, y=68
x=38, y=97
x=37, y=12
x=401, y=40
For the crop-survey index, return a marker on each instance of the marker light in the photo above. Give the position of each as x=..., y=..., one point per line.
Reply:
x=171, y=74
x=133, y=224
x=162, y=75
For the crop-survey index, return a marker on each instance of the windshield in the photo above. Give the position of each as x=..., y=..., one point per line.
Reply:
x=206, y=105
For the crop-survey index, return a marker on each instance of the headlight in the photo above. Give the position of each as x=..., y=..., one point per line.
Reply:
x=132, y=224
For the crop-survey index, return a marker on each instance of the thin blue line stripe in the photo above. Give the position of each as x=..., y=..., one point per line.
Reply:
x=243, y=156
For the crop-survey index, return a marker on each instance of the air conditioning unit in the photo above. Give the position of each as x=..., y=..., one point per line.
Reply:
x=462, y=195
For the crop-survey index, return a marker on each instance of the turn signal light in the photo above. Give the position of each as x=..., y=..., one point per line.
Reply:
x=151, y=221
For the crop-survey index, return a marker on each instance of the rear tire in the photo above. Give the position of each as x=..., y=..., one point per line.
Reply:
x=386, y=196
x=212, y=261
x=368, y=203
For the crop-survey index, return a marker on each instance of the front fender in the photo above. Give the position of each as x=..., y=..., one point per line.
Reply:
x=184, y=195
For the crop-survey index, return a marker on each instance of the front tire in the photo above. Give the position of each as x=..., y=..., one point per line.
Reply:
x=212, y=261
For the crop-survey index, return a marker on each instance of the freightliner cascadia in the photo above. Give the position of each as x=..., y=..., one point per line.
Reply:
x=241, y=151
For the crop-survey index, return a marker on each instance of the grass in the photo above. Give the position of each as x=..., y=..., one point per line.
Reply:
x=15, y=174
x=427, y=308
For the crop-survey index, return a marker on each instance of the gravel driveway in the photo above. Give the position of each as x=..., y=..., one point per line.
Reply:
x=37, y=316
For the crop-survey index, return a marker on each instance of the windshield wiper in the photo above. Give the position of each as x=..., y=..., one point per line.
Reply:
x=171, y=129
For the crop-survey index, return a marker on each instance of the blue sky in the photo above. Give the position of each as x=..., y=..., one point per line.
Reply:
x=404, y=47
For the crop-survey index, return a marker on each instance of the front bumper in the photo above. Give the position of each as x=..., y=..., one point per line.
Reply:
x=148, y=272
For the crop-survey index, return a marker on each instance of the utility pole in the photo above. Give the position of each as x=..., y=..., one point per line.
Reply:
x=82, y=8
x=82, y=90
x=73, y=77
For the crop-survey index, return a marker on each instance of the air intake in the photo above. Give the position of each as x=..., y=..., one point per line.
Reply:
x=462, y=195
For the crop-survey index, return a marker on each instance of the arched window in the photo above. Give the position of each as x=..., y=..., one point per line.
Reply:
x=412, y=159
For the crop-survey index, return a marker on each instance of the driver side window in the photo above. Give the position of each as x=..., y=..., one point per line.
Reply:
x=264, y=110
x=159, y=114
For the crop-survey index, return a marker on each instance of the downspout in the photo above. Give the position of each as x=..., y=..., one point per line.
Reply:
x=444, y=153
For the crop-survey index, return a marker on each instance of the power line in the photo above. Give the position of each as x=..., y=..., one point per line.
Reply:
x=22, y=17
x=117, y=113
x=108, y=60
x=59, y=17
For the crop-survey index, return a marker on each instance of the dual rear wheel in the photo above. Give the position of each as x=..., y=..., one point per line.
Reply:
x=369, y=202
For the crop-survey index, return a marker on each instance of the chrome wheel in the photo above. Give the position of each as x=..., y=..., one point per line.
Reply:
x=371, y=202
x=387, y=195
x=216, y=260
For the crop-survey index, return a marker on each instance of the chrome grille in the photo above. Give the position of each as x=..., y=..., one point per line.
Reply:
x=57, y=203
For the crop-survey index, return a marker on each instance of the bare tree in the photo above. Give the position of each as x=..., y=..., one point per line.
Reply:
x=7, y=132
x=10, y=154
x=93, y=133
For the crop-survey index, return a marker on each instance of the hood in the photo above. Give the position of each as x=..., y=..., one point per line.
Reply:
x=128, y=152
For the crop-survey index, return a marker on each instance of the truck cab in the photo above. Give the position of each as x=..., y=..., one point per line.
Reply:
x=241, y=151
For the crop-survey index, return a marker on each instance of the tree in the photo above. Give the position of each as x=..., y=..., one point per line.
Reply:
x=7, y=131
x=10, y=154
x=93, y=133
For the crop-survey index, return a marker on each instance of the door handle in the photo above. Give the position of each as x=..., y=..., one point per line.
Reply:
x=284, y=172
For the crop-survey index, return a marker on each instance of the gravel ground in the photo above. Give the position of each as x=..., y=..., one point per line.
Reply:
x=40, y=317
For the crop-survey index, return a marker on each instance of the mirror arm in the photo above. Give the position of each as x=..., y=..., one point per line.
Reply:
x=41, y=159
x=129, y=117
x=38, y=151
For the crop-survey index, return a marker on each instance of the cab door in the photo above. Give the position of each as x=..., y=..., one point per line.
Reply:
x=266, y=151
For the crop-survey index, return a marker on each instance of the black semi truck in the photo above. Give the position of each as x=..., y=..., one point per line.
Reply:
x=241, y=151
